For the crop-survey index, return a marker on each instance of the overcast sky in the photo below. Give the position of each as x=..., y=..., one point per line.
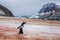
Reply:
x=25, y=7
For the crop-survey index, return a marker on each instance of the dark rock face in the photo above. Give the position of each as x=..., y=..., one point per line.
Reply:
x=50, y=11
x=48, y=7
x=6, y=12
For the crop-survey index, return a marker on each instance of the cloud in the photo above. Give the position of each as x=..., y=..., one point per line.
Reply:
x=20, y=7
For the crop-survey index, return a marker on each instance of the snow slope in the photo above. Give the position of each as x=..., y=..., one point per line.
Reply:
x=8, y=30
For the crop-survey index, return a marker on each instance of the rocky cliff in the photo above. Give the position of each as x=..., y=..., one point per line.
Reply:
x=50, y=11
x=5, y=12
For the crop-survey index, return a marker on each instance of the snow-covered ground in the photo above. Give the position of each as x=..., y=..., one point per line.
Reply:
x=41, y=28
x=32, y=31
x=33, y=28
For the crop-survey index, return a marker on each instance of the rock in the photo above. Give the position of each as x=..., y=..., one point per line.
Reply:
x=5, y=12
x=50, y=11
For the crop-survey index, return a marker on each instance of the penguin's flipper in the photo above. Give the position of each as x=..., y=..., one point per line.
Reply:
x=18, y=27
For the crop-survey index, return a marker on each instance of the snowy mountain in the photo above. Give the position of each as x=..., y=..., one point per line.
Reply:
x=50, y=11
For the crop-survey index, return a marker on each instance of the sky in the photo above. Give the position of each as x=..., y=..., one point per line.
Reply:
x=25, y=7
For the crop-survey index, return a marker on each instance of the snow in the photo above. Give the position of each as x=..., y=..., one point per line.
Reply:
x=31, y=31
x=41, y=28
x=33, y=28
